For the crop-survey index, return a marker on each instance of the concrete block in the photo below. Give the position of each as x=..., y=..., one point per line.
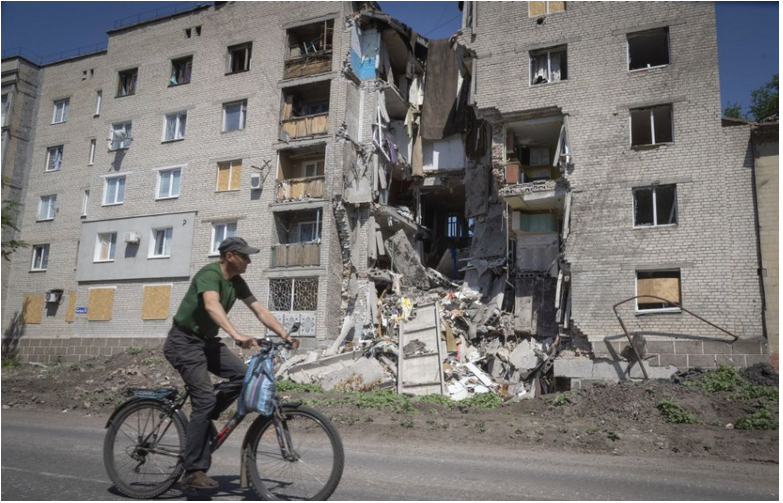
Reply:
x=702, y=361
x=406, y=261
x=754, y=359
x=579, y=369
x=688, y=348
x=747, y=347
x=680, y=361
x=523, y=358
x=653, y=372
x=660, y=347
x=368, y=371
x=717, y=347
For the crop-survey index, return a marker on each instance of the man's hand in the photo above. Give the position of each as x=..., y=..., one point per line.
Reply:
x=293, y=342
x=246, y=342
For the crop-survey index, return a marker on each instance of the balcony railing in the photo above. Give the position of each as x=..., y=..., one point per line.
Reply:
x=298, y=189
x=308, y=64
x=311, y=125
x=296, y=254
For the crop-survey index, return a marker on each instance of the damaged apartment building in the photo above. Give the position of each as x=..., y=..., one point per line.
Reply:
x=547, y=162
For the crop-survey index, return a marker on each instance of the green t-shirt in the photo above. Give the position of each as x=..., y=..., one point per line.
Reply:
x=192, y=315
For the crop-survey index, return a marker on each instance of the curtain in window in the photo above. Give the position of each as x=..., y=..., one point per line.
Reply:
x=538, y=69
x=554, y=61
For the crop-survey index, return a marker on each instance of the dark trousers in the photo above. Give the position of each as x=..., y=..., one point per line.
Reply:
x=194, y=358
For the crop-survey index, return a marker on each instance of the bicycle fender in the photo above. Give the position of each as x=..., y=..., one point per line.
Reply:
x=135, y=400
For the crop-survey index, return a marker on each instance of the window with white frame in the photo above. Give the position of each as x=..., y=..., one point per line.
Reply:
x=40, y=258
x=160, y=243
x=234, y=115
x=651, y=126
x=229, y=175
x=655, y=206
x=310, y=168
x=174, y=126
x=54, y=158
x=168, y=183
x=47, y=207
x=536, y=9
x=648, y=49
x=105, y=247
x=98, y=98
x=113, y=190
x=220, y=232
x=126, y=83
x=239, y=58
x=60, y=113
x=548, y=65
x=293, y=294
x=93, y=145
x=121, y=135
x=85, y=202
x=309, y=232
x=4, y=110
x=658, y=291
x=180, y=71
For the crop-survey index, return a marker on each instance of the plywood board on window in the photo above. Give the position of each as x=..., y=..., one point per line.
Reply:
x=100, y=304
x=32, y=309
x=295, y=255
x=312, y=254
x=224, y=172
x=537, y=8
x=70, y=313
x=556, y=6
x=155, y=302
x=236, y=176
x=666, y=288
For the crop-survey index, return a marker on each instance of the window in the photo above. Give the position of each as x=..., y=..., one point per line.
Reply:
x=126, y=85
x=47, y=207
x=229, y=175
x=647, y=49
x=168, y=183
x=93, y=144
x=651, y=126
x=40, y=258
x=309, y=232
x=160, y=244
x=310, y=169
x=98, y=97
x=536, y=9
x=239, y=58
x=180, y=71
x=4, y=110
x=120, y=136
x=105, y=247
x=85, y=202
x=297, y=294
x=316, y=107
x=663, y=284
x=54, y=158
x=221, y=232
x=114, y=190
x=234, y=115
x=548, y=65
x=174, y=126
x=60, y=113
x=452, y=226
x=655, y=206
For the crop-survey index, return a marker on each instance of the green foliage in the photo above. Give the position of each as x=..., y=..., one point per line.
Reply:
x=560, y=400
x=483, y=401
x=75, y=367
x=481, y=427
x=591, y=430
x=613, y=435
x=733, y=111
x=10, y=362
x=761, y=420
x=728, y=379
x=438, y=423
x=764, y=100
x=133, y=350
x=673, y=413
x=8, y=214
x=436, y=400
x=381, y=400
x=407, y=423
x=287, y=385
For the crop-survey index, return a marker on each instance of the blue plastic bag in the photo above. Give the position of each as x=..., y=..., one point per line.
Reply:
x=258, y=390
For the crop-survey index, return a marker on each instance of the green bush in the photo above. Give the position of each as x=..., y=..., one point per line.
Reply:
x=560, y=400
x=380, y=400
x=436, y=400
x=673, y=413
x=728, y=379
x=761, y=420
x=133, y=350
x=10, y=362
x=484, y=401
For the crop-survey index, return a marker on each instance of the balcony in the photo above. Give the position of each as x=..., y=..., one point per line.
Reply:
x=309, y=50
x=296, y=255
x=303, y=127
x=305, y=111
x=300, y=189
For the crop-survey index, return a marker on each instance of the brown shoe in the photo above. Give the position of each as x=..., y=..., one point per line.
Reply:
x=198, y=480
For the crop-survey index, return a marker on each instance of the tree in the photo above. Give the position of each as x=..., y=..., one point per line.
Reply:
x=733, y=111
x=8, y=214
x=764, y=100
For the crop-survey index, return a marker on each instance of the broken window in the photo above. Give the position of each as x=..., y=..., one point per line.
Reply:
x=60, y=113
x=469, y=14
x=655, y=206
x=548, y=65
x=180, y=71
x=174, y=126
x=647, y=49
x=536, y=9
x=662, y=284
x=98, y=97
x=54, y=158
x=651, y=126
x=126, y=85
x=239, y=58
x=93, y=145
x=293, y=294
x=120, y=135
x=105, y=247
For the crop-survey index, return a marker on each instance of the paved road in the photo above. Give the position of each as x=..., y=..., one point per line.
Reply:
x=59, y=457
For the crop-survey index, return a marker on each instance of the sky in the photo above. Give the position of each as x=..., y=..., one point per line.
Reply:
x=748, y=32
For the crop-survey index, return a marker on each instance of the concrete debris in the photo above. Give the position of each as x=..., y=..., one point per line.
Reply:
x=406, y=261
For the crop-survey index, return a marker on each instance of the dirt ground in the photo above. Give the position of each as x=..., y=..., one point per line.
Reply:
x=621, y=419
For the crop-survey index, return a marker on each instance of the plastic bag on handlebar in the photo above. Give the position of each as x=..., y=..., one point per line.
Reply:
x=258, y=390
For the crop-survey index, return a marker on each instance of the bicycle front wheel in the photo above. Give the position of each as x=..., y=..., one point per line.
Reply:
x=143, y=449
x=312, y=468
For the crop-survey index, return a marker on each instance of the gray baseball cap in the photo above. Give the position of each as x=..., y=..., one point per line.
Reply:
x=238, y=245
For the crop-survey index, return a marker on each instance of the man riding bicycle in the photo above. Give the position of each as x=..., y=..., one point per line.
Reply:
x=194, y=349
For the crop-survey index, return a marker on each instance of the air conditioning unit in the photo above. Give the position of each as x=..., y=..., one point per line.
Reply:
x=53, y=296
x=132, y=237
x=255, y=181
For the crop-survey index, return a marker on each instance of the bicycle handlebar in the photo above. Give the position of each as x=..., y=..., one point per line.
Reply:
x=266, y=344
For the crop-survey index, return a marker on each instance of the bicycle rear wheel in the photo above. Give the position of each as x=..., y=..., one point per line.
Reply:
x=143, y=449
x=315, y=467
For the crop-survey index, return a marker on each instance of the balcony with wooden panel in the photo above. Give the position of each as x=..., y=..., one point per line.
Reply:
x=301, y=174
x=305, y=111
x=299, y=239
x=309, y=50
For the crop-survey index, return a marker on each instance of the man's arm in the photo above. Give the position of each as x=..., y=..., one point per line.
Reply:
x=215, y=310
x=265, y=317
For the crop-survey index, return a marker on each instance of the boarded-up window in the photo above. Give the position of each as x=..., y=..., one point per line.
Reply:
x=662, y=284
x=229, y=175
x=32, y=309
x=155, y=302
x=100, y=304
x=70, y=314
x=540, y=8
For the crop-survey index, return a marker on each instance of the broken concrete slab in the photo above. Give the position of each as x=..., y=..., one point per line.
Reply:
x=406, y=261
x=524, y=358
x=313, y=372
x=363, y=374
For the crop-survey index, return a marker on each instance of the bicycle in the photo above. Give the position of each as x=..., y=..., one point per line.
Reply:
x=296, y=453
